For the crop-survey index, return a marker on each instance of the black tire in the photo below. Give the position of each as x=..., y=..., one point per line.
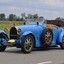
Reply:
x=46, y=37
x=62, y=44
x=27, y=45
x=2, y=48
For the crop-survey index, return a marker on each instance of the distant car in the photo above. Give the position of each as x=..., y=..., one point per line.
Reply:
x=34, y=34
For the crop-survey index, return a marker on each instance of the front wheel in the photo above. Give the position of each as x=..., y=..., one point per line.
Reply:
x=62, y=44
x=27, y=44
x=2, y=48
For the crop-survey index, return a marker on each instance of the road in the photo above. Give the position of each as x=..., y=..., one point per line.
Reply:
x=37, y=56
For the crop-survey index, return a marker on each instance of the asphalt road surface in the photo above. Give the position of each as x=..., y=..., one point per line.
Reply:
x=37, y=56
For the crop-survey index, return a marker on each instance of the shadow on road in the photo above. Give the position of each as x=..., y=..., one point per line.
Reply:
x=18, y=51
x=47, y=49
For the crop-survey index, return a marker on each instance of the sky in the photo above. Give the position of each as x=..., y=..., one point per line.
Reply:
x=49, y=9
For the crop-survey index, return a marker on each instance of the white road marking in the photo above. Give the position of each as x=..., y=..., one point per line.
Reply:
x=47, y=62
x=10, y=48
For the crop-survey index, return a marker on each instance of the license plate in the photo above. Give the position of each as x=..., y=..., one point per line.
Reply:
x=11, y=41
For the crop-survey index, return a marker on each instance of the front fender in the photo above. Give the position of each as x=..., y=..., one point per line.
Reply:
x=60, y=37
x=26, y=33
x=2, y=41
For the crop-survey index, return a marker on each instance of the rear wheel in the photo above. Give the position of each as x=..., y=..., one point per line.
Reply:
x=27, y=44
x=62, y=44
x=46, y=37
x=2, y=48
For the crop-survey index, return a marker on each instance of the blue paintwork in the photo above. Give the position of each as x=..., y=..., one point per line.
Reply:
x=60, y=37
x=56, y=33
x=29, y=29
x=3, y=40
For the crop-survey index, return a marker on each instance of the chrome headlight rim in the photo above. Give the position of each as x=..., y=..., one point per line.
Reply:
x=19, y=31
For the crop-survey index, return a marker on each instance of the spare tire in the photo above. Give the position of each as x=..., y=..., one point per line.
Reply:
x=46, y=37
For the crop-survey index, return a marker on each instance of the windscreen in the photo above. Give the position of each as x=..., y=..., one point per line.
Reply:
x=34, y=21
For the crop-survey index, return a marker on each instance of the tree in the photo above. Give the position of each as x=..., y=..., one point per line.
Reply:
x=58, y=18
x=35, y=16
x=12, y=17
x=2, y=16
x=30, y=16
x=18, y=19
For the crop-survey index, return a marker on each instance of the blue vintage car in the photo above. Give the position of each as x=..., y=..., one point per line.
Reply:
x=33, y=34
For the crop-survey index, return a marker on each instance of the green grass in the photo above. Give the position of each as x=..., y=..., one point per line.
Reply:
x=9, y=24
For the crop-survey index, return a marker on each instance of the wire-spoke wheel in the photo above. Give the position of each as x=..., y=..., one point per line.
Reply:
x=27, y=44
x=47, y=37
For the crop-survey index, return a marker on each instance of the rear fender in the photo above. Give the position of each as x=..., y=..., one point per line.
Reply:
x=60, y=37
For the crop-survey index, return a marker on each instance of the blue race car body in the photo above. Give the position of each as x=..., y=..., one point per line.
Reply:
x=37, y=33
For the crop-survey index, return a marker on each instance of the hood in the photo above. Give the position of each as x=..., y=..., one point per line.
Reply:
x=27, y=27
x=30, y=27
x=23, y=28
x=34, y=29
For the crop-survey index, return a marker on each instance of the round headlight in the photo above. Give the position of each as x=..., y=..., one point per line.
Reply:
x=19, y=31
x=6, y=30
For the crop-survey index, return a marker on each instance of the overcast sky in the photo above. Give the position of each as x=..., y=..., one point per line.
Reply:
x=49, y=9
